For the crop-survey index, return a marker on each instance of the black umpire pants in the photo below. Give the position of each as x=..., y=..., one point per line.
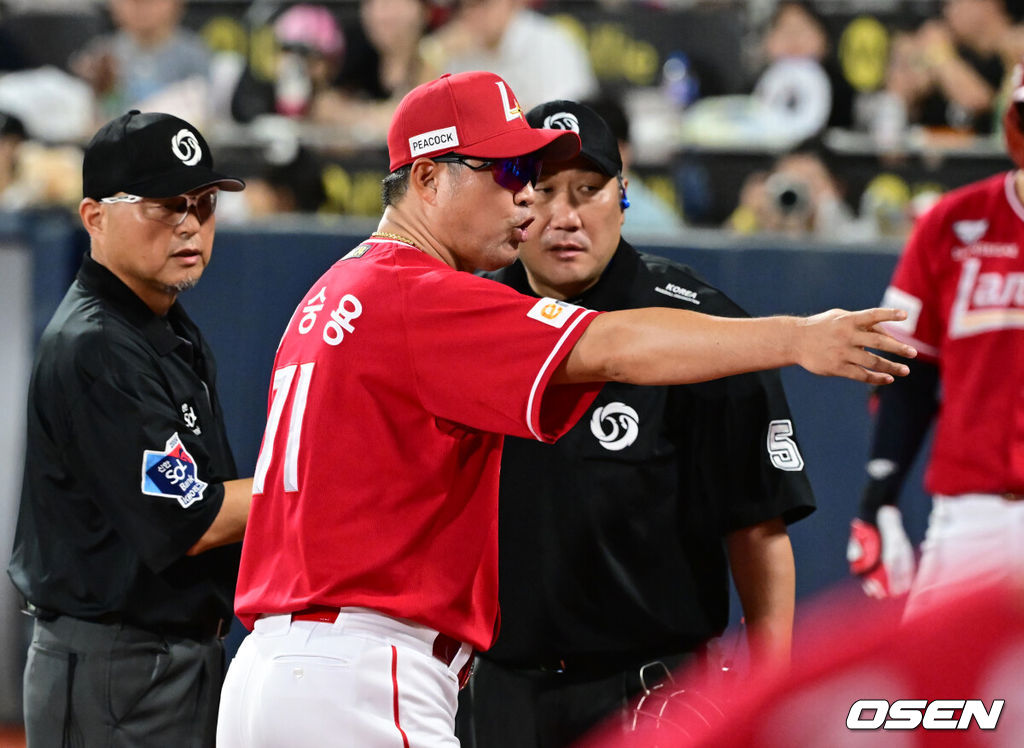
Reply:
x=96, y=684
x=533, y=708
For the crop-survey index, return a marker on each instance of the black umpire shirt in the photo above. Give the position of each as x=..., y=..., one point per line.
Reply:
x=125, y=459
x=611, y=540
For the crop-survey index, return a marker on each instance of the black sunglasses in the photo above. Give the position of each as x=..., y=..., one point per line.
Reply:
x=511, y=173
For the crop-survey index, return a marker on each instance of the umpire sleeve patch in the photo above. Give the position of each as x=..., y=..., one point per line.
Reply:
x=171, y=473
x=782, y=449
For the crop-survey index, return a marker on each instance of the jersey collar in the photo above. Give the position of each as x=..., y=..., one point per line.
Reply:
x=612, y=290
x=107, y=286
x=1010, y=186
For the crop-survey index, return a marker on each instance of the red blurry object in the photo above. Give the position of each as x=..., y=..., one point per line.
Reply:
x=849, y=649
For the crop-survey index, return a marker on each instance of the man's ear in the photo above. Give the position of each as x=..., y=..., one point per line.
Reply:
x=424, y=178
x=623, y=200
x=92, y=215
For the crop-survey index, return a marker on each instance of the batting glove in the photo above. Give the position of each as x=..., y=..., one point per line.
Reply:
x=881, y=555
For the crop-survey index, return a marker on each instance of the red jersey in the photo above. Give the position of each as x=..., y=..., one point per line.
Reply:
x=377, y=481
x=961, y=281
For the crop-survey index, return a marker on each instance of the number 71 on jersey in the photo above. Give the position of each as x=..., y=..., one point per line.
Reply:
x=283, y=380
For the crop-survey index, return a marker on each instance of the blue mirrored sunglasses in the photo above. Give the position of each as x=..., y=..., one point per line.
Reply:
x=511, y=173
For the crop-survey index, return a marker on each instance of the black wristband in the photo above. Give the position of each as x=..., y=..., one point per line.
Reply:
x=905, y=411
x=879, y=493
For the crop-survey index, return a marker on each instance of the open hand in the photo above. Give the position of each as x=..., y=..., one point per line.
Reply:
x=835, y=343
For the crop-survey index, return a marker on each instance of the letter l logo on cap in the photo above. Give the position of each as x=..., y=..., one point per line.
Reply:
x=511, y=112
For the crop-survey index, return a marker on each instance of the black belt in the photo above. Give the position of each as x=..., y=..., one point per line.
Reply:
x=600, y=665
x=199, y=632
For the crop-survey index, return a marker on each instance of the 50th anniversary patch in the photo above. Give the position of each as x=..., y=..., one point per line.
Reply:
x=172, y=474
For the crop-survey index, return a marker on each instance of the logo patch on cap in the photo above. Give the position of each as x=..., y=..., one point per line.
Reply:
x=185, y=145
x=512, y=109
x=551, y=312
x=435, y=140
x=562, y=121
x=171, y=474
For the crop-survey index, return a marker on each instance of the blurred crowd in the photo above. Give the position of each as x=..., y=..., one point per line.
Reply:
x=312, y=84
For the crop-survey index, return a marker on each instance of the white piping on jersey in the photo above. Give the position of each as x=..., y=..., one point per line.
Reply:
x=1009, y=185
x=544, y=368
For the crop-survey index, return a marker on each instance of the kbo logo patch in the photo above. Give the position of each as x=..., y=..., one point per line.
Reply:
x=172, y=474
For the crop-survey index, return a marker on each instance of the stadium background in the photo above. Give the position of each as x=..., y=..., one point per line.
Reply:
x=260, y=271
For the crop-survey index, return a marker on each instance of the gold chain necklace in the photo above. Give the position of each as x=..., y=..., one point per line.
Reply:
x=396, y=237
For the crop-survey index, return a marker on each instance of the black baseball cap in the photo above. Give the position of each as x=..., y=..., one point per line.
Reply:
x=599, y=145
x=150, y=154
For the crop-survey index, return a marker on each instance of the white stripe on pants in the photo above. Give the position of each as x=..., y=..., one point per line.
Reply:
x=973, y=540
x=366, y=680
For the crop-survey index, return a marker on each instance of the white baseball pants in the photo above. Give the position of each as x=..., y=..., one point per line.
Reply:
x=973, y=540
x=366, y=680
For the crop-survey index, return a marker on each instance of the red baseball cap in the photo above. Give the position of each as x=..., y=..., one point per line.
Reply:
x=475, y=114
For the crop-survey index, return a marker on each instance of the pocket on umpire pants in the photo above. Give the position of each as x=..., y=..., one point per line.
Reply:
x=47, y=685
x=136, y=665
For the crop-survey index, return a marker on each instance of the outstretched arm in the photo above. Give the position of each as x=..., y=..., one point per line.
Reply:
x=669, y=346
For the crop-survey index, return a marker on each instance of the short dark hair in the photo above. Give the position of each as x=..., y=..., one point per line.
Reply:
x=394, y=185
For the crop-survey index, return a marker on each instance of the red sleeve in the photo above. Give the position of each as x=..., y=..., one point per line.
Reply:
x=914, y=287
x=483, y=354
